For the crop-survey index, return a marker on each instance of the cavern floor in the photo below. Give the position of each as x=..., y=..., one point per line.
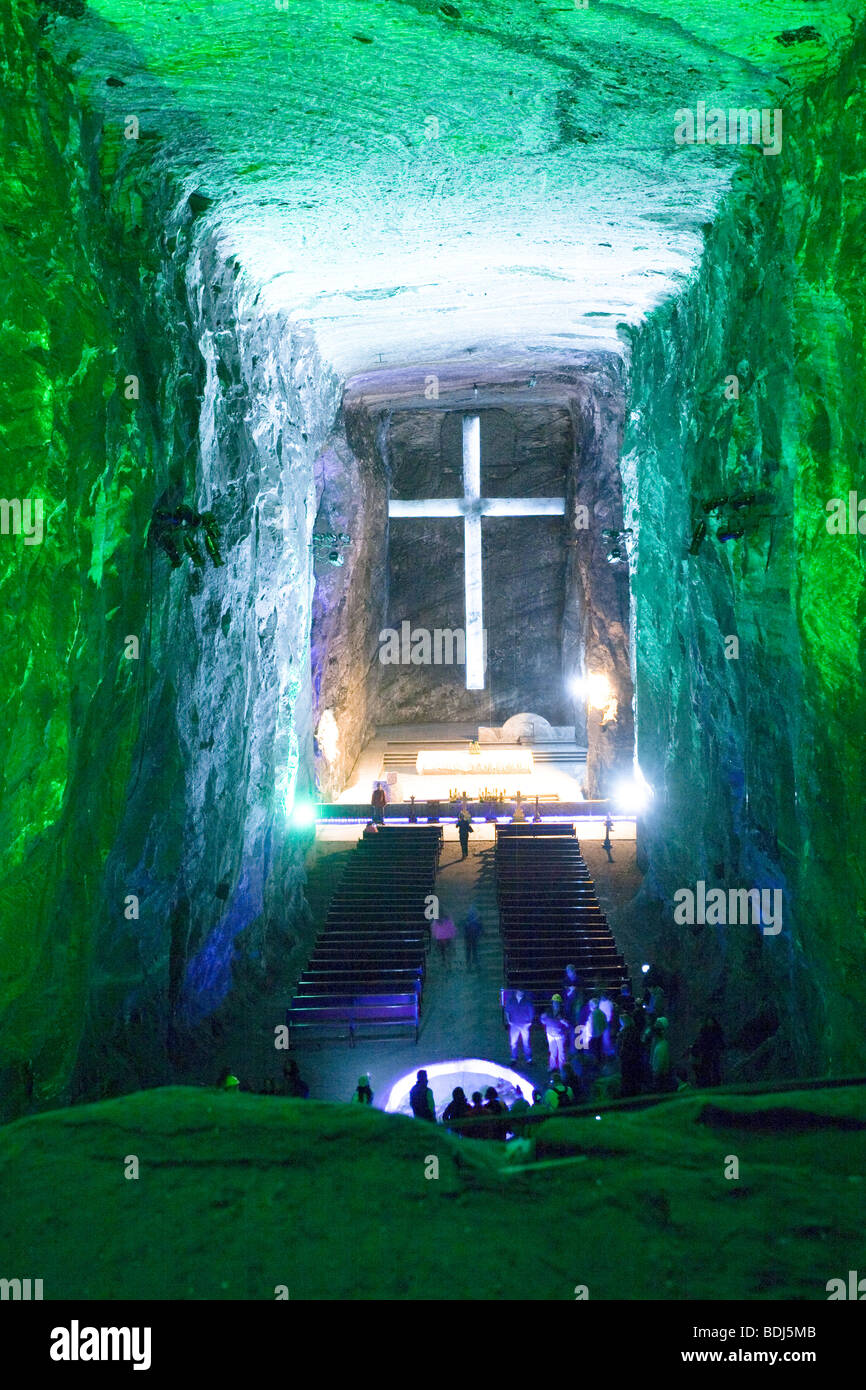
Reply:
x=237, y=1195
x=461, y=1015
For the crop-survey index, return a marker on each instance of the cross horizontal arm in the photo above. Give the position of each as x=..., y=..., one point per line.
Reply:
x=434, y=506
x=523, y=506
x=484, y=506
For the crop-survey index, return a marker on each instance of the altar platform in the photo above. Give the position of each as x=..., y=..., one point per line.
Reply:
x=552, y=770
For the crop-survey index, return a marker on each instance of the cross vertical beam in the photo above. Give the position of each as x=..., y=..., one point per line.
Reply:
x=472, y=552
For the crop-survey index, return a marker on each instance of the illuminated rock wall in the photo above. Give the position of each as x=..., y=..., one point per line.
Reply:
x=756, y=760
x=78, y=322
x=350, y=598
x=146, y=863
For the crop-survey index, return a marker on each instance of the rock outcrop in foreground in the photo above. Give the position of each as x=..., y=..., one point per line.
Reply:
x=239, y=1195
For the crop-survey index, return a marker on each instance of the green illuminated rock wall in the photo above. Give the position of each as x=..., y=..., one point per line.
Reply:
x=140, y=835
x=75, y=325
x=757, y=760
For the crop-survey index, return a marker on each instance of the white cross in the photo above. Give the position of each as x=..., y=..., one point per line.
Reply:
x=472, y=507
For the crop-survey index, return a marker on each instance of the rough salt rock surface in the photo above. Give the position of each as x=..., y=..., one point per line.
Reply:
x=500, y=181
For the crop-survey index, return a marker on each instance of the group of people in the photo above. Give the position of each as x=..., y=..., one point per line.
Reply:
x=291, y=1083
x=444, y=933
x=572, y=1023
x=379, y=801
x=597, y=1029
x=487, y=1109
x=644, y=1052
x=482, y=1116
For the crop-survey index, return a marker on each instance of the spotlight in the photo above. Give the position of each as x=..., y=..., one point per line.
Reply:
x=595, y=689
x=632, y=796
x=644, y=970
x=303, y=815
x=598, y=691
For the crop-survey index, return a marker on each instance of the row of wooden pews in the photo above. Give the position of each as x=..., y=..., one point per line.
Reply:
x=368, y=964
x=549, y=913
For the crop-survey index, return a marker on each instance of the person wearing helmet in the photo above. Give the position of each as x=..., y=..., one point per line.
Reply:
x=558, y=1095
x=363, y=1092
x=556, y=1027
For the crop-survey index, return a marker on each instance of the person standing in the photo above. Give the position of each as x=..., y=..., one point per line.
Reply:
x=519, y=1108
x=597, y=1025
x=609, y=1037
x=519, y=1014
x=464, y=830
x=707, y=1052
x=481, y=1128
x=630, y=1060
x=363, y=1091
x=293, y=1083
x=493, y=1107
x=660, y=1056
x=421, y=1099
x=574, y=1081
x=556, y=1027
x=572, y=1002
x=443, y=932
x=657, y=1002
x=379, y=802
x=456, y=1110
x=570, y=981
x=471, y=934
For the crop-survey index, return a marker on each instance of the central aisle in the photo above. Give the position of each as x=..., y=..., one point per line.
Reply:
x=461, y=1014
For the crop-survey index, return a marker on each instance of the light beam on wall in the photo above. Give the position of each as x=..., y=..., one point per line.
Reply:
x=328, y=736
